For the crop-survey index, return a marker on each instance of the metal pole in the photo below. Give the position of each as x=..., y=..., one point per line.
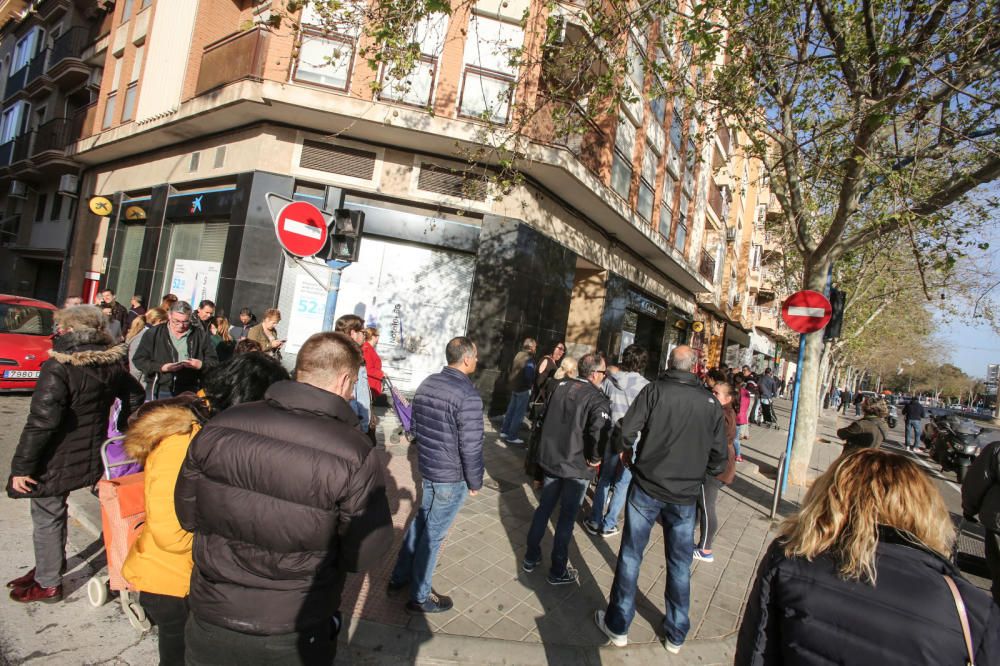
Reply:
x=333, y=289
x=795, y=409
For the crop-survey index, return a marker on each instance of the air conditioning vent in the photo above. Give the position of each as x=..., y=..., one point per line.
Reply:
x=450, y=182
x=341, y=160
x=18, y=189
x=69, y=184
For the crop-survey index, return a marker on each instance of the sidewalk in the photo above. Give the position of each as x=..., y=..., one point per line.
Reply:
x=503, y=615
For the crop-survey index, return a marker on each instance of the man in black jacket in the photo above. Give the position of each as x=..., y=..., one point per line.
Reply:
x=575, y=429
x=981, y=497
x=173, y=356
x=914, y=414
x=284, y=497
x=679, y=435
x=118, y=311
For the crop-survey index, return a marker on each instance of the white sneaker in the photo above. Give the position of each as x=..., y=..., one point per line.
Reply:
x=617, y=640
x=672, y=648
x=515, y=440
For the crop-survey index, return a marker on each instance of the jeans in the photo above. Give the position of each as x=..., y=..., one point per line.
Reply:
x=678, y=538
x=736, y=444
x=914, y=425
x=210, y=645
x=169, y=614
x=569, y=493
x=611, y=466
x=516, y=410
x=48, y=519
x=707, y=520
x=418, y=556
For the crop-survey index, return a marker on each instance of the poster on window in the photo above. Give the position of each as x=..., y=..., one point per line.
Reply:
x=195, y=281
x=306, y=316
x=418, y=298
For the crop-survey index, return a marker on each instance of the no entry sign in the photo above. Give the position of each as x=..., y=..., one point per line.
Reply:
x=806, y=311
x=301, y=228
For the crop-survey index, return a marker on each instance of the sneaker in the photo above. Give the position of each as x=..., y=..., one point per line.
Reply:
x=672, y=648
x=739, y=458
x=610, y=532
x=618, y=640
x=567, y=577
x=592, y=528
x=527, y=566
x=36, y=592
x=702, y=556
x=435, y=603
x=515, y=440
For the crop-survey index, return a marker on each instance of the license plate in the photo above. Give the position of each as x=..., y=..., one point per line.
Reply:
x=21, y=374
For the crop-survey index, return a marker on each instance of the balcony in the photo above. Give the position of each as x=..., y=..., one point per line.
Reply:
x=15, y=83
x=83, y=123
x=233, y=58
x=51, y=9
x=766, y=317
x=22, y=148
x=52, y=136
x=707, y=266
x=9, y=227
x=67, y=68
x=717, y=201
x=36, y=68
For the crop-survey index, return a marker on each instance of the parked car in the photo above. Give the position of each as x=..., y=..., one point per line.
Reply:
x=26, y=330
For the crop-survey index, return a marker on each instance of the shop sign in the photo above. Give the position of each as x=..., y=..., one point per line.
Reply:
x=100, y=206
x=761, y=344
x=195, y=281
x=643, y=305
x=308, y=308
x=201, y=204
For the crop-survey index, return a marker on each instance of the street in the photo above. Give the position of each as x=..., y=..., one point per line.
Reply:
x=73, y=632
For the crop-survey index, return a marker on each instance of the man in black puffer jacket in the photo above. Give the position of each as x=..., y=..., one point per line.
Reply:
x=448, y=424
x=575, y=429
x=679, y=434
x=981, y=497
x=284, y=496
x=60, y=446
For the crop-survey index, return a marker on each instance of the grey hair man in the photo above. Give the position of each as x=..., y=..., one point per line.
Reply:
x=683, y=440
x=172, y=357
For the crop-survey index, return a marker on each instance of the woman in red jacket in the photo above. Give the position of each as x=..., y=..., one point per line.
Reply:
x=373, y=363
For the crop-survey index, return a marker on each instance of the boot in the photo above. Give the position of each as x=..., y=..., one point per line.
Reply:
x=36, y=592
x=22, y=581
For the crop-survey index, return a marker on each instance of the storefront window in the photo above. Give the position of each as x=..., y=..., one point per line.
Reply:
x=128, y=250
x=194, y=260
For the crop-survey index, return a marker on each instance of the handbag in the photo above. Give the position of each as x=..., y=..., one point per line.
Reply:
x=963, y=617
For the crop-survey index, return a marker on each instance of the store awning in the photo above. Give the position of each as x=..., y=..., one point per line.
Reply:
x=735, y=335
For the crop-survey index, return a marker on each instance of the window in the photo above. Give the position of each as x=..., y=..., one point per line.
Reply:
x=636, y=62
x=691, y=160
x=659, y=108
x=109, y=111
x=761, y=215
x=137, y=63
x=490, y=68
x=325, y=61
x=647, y=178
x=677, y=126
x=40, y=205
x=681, y=236
x=755, y=256
x=417, y=86
x=145, y=4
x=127, y=10
x=13, y=121
x=128, y=109
x=665, y=218
x=621, y=164
x=26, y=48
x=116, y=75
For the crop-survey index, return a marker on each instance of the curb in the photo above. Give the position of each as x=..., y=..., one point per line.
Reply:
x=84, y=507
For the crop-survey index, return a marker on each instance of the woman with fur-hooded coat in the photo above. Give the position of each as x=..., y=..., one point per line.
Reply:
x=59, y=449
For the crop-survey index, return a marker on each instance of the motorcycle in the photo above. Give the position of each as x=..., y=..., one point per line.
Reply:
x=893, y=418
x=952, y=441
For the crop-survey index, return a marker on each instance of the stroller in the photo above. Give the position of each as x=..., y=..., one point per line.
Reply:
x=403, y=409
x=123, y=513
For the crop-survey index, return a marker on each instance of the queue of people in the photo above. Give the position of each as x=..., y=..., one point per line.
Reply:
x=263, y=491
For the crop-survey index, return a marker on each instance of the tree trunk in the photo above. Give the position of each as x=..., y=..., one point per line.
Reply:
x=807, y=417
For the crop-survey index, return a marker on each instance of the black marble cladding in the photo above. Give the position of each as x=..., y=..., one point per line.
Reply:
x=522, y=288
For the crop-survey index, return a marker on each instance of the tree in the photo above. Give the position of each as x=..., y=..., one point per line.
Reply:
x=880, y=120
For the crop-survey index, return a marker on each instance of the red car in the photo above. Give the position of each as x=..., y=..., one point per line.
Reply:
x=26, y=329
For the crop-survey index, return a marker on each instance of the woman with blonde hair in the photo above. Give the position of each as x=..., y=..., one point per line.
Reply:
x=862, y=575
x=142, y=323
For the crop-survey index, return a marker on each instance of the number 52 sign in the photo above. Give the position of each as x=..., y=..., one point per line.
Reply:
x=306, y=317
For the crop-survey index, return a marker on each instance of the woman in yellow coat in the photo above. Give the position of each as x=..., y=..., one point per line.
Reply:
x=159, y=563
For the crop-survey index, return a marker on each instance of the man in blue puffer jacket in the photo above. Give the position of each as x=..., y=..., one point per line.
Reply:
x=448, y=428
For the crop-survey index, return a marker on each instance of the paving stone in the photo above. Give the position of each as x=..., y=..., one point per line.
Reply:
x=506, y=629
x=462, y=626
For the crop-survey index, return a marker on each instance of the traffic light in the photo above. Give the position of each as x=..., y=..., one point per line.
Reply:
x=345, y=235
x=832, y=330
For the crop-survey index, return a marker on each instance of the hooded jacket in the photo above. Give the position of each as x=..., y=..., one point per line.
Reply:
x=804, y=613
x=981, y=489
x=160, y=559
x=156, y=350
x=683, y=437
x=68, y=418
x=283, y=496
x=865, y=433
x=575, y=430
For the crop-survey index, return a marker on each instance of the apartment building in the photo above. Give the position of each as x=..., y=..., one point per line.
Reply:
x=51, y=56
x=205, y=122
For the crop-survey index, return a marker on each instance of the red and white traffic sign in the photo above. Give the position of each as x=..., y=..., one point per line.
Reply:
x=806, y=311
x=301, y=228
